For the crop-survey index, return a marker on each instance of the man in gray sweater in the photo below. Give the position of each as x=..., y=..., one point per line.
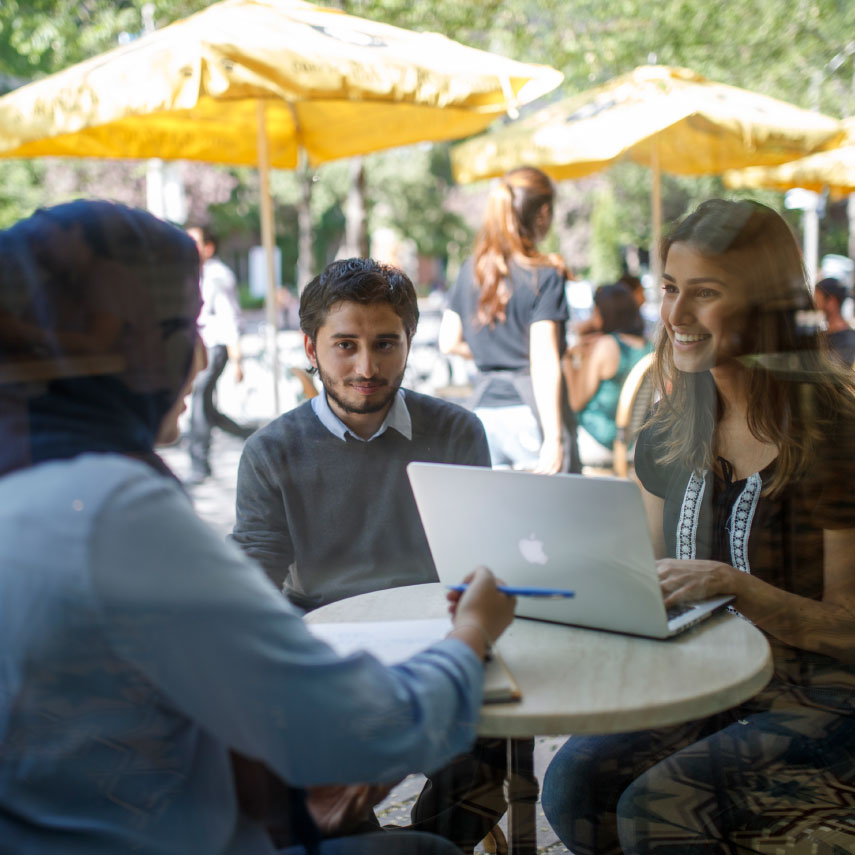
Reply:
x=323, y=499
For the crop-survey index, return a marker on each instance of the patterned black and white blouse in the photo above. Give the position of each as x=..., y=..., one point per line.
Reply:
x=778, y=539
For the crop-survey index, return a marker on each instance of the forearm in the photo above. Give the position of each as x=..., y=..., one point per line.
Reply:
x=816, y=625
x=450, y=339
x=547, y=399
x=546, y=384
x=459, y=349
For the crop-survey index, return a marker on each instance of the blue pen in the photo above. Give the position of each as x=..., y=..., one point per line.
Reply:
x=548, y=593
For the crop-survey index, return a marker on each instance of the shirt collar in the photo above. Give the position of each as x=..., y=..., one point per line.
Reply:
x=398, y=418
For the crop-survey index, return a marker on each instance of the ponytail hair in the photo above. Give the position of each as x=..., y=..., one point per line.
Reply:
x=510, y=233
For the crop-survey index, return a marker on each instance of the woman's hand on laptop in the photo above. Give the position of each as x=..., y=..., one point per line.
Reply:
x=481, y=613
x=694, y=580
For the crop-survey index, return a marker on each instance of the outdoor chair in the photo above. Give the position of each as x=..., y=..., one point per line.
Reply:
x=306, y=381
x=636, y=399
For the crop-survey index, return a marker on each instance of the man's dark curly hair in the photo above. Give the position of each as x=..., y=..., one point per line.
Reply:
x=359, y=280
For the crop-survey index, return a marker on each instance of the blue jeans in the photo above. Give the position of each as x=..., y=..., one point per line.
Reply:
x=776, y=769
x=513, y=435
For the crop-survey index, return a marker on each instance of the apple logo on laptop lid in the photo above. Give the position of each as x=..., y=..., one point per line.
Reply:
x=531, y=549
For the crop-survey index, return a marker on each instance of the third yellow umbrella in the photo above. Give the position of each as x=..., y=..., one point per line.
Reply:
x=833, y=169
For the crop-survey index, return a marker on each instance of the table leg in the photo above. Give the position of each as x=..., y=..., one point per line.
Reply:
x=522, y=792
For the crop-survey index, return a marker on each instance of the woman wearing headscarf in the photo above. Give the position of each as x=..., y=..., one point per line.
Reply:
x=147, y=668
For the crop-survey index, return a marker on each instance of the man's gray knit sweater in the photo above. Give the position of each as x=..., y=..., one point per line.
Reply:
x=329, y=519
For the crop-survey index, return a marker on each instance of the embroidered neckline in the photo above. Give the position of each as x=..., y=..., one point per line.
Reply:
x=741, y=519
x=739, y=524
x=690, y=512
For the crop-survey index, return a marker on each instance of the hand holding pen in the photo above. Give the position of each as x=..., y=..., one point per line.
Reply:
x=481, y=608
x=545, y=593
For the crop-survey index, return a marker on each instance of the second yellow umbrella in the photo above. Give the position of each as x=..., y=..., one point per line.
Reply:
x=669, y=119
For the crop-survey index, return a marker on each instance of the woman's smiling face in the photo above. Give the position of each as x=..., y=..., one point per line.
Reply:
x=704, y=310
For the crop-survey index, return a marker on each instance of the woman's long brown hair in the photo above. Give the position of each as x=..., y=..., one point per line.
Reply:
x=795, y=389
x=509, y=233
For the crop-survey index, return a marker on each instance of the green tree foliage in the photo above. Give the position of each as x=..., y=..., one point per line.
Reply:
x=407, y=189
x=38, y=37
x=605, y=242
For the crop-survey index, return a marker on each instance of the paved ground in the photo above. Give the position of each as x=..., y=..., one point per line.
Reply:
x=214, y=501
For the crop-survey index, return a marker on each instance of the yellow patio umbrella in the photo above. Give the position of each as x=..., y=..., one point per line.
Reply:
x=669, y=119
x=260, y=81
x=833, y=169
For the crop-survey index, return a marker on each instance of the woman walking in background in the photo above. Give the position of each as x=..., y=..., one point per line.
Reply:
x=748, y=473
x=596, y=367
x=508, y=311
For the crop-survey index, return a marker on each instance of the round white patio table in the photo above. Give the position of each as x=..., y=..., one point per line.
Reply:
x=576, y=680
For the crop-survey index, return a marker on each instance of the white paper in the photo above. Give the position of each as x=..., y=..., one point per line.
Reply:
x=391, y=641
x=394, y=641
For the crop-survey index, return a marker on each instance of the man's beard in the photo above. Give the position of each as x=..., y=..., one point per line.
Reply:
x=367, y=407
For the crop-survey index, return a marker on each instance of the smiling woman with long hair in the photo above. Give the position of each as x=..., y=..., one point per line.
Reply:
x=748, y=474
x=508, y=311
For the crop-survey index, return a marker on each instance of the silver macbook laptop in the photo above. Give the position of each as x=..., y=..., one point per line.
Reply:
x=585, y=534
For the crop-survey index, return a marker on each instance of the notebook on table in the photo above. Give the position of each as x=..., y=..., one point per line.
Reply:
x=397, y=640
x=576, y=532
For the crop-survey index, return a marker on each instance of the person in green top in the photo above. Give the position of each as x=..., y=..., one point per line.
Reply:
x=596, y=367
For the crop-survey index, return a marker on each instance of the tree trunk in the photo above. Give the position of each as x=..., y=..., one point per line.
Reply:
x=305, y=250
x=356, y=231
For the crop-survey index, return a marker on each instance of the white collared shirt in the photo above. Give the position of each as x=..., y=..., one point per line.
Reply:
x=398, y=418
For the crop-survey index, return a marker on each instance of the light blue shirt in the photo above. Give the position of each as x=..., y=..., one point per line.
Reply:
x=397, y=418
x=136, y=647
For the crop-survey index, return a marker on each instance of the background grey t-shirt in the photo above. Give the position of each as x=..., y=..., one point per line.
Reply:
x=537, y=294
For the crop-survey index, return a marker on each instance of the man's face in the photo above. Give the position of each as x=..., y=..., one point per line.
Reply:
x=360, y=353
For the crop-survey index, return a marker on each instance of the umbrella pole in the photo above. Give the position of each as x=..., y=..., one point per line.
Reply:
x=656, y=213
x=810, y=218
x=267, y=241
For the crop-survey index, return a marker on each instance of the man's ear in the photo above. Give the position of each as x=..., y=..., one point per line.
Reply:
x=309, y=347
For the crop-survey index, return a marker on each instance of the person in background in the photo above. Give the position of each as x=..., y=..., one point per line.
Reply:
x=634, y=286
x=219, y=324
x=508, y=312
x=649, y=312
x=596, y=367
x=747, y=466
x=148, y=666
x=830, y=295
